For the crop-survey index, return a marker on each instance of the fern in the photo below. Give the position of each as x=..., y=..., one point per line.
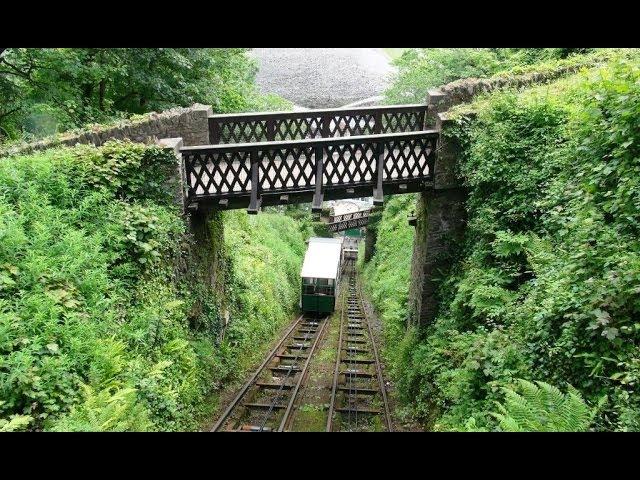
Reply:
x=540, y=407
x=15, y=422
x=109, y=409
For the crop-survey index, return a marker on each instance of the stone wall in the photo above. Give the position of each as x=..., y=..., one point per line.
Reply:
x=441, y=220
x=191, y=124
x=371, y=233
x=202, y=263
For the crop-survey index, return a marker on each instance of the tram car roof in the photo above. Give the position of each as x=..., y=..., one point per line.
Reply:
x=322, y=258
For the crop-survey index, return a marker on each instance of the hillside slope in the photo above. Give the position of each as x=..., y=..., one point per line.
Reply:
x=103, y=325
x=546, y=287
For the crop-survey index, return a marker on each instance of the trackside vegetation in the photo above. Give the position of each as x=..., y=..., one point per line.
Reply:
x=538, y=322
x=101, y=326
x=419, y=69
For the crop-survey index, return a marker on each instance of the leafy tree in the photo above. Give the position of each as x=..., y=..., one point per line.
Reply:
x=100, y=328
x=58, y=88
x=420, y=69
x=546, y=284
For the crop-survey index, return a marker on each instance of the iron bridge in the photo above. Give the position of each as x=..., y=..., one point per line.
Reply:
x=346, y=221
x=272, y=158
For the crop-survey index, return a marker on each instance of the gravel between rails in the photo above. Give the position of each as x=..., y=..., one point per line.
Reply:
x=323, y=77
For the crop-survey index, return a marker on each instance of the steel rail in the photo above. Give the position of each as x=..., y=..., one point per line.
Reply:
x=282, y=384
x=303, y=375
x=254, y=377
x=336, y=371
x=351, y=388
x=383, y=390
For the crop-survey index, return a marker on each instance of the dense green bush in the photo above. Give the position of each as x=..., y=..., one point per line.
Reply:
x=266, y=253
x=94, y=329
x=420, y=69
x=548, y=281
x=48, y=90
x=386, y=276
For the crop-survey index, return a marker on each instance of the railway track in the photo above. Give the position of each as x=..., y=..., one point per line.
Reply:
x=265, y=402
x=358, y=397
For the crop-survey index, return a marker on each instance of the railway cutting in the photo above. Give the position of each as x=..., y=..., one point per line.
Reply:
x=355, y=391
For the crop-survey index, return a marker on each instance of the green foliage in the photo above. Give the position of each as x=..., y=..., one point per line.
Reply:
x=387, y=275
x=540, y=407
x=123, y=169
x=15, y=422
x=110, y=410
x=99, y=329
x=266, y=254
x=546, y=285
x=47, y=90
x=420, y=69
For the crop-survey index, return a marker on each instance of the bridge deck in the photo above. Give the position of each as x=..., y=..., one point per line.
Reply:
x=325, y=123
x=346, y=221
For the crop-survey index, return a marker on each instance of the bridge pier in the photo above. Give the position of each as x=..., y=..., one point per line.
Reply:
x=441, y=221
x=203, y=264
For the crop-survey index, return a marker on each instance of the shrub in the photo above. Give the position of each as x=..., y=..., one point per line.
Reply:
x=99, y=330
x=546, y=285
x=540, y=407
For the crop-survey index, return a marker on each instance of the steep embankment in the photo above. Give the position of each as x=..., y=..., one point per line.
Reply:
x=547, y=284
x=104, y=324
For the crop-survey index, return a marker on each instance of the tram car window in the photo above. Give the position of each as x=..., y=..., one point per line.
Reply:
x=321, y=275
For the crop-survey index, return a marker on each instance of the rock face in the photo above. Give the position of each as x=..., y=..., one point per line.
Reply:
x=322, y=77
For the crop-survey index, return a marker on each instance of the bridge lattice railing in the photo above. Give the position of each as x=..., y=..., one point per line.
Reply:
x=350, y=216
x=250, y=172
x=312, y=124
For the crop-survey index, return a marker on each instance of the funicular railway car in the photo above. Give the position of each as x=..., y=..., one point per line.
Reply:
x=349, y=250
x=321, y=275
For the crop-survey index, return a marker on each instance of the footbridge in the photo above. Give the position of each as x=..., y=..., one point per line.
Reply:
x=347, y=221
x=272, y=158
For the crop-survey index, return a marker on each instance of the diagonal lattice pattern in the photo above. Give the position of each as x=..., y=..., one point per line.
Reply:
x=242, y=131
x=350, y=164
x=262, y=159
x=217, y=173
x=351, y=124
x=284, y=169
x=394, y=122
x=408, y=159
x=283, y=126
x=350, y=216
x=298, y=128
